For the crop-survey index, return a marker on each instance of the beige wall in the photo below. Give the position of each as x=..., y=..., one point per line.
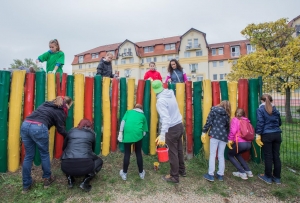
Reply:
x=225, y=69
x=296, y=22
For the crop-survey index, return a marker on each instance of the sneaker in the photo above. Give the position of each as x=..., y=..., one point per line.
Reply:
x=249, y=174
x=220, y=178
x=169, y=178
x=142, y=175
x=183, y=174
x=276, y=180
x=241, y=175
x=48, y=181
x=25, y=190
x=209, y=177
x=265, y=178
x=123, y=175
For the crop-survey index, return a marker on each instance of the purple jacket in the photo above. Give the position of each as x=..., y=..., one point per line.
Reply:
x=235, y=128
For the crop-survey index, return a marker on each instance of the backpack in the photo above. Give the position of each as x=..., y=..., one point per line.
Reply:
x=246, y=130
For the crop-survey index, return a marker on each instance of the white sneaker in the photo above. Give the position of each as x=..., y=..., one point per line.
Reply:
x=142, y=175
x=241, y=175
x=249, y=174
x=123, y=175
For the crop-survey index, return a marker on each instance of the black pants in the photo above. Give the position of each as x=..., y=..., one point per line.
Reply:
x=81, y=167
x=138, y=153
x=174, y=142
x=271, y=150
x=236, y=158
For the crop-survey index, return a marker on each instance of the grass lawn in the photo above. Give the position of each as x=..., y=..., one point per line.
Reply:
x=109, y=187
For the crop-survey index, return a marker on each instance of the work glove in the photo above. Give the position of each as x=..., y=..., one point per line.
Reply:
x=258, y=140
x=203, y=138
x=160, y=140
x=229, y=144
x=150, y=79
x=120, y=137
x=54, y=71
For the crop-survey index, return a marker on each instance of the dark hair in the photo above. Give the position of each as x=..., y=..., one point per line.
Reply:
x=268, y=106
x=85, y=123
x=151, y=63
x=226, y=105
x=138, y=106
x=31, y=69
x=240, y=113
x=178, y=66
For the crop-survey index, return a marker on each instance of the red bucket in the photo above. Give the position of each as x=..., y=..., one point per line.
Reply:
x=163, y=154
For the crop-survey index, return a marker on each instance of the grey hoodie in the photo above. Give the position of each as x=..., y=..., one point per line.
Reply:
x=168, y=110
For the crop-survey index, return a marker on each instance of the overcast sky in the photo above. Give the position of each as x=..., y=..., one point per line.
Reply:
x=80, y=25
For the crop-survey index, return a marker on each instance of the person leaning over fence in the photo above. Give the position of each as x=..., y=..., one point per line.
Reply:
x=34, y=132
x=55, y=58
x=237, y=145
x=132, y=130
x=171, y=130
x=152, y=74
x=104, y=67
x=78, y=157
x=217, y=126
x=268, y=136
x=176, y=73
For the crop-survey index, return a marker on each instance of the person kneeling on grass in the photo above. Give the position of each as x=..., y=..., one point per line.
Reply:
x=134, y=125
x=78, y=158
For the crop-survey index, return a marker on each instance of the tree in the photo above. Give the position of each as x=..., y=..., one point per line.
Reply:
x=276, y=58
x=27, y=63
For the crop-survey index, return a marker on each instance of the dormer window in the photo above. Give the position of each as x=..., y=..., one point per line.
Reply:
x=80, y=59
x=169, y=47
x=148, y=49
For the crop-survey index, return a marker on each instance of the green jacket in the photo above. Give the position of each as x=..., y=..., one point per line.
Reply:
x=53, y=59
x=135, y=124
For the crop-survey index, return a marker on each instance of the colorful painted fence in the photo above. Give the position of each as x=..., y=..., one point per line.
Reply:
x=105, y=101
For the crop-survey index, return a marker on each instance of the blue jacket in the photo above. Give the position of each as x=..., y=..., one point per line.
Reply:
x=267, y=123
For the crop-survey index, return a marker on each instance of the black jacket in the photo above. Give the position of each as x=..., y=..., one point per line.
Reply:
x=105, y=69
x=49, y=114
x=79, y=144
x=219, y=123
x=267, y=123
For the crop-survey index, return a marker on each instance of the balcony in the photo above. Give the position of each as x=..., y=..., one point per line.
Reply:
x=193, y=70
x=126, y=55
x=193, y=47
x=235, y=54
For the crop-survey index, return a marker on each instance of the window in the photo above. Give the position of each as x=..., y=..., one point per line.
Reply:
x=125, y=50
x=189, y=44
x=213, y=52
x=169, y=46
x=142, y=61
x=187, y=54
x=193, y=67
x=90, y=74
x=163, y=58
x=131, y=60
x=123, y=61
x=177, y=57
x=127, y=72
x=163, y=69
x=148, y=59
x=198, y=53
x=116, y=62
x=220, y=51
x=93, y=56
x=148, y=49
x=80, y=66
x=80, y=59
x=215, y=76
x=199, y=78
x=235, y=51
x=221, y=63
x=189, y=78
x=250, y=49
x=196, y=43
x=129, y=50
x=170, y=57
x=297, y=27
x=222, y=76
x=97, y=55
x=214, y=63
x=154, y=59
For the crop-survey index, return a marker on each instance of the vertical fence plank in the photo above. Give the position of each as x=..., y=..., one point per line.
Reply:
x=140, y=92
x=106, y=116
x=189, y=120
x=123, y=105
x=114, y=114
x=130, y=93
x=197, y=103
x=224, y=90
x=15, y=107
x=243, y=95
x=146, y=139
x=88, y=98
x=207, y=104
x=98, y=112
x=153, y=123
x=4, y=91
x=79, y=98
x=232, y=94
x=215, y=93
x=51, y=96
x=70, y=93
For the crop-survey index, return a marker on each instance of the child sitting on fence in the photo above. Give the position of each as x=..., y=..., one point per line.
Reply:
x=237, y=145
x=152, y=74
x=55, y=58
x=217, y=126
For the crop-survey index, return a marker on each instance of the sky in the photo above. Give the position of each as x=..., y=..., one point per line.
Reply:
x=80, y=25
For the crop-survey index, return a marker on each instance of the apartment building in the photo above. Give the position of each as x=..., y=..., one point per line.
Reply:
x=296, y=24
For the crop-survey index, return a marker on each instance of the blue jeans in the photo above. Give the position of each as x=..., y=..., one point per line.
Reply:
x=35, y=135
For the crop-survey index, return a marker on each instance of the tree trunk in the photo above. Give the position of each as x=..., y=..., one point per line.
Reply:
x=288, y=114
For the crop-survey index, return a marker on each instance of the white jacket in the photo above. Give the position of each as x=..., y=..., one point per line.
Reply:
x=168, y=110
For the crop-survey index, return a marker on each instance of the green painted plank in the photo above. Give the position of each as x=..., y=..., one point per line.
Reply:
x=123, y=105
x=98, y=112
x=147, y=93
x=197, y=103
x=70, y=93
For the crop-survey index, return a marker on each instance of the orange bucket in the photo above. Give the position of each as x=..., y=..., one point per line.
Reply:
x=163, y=154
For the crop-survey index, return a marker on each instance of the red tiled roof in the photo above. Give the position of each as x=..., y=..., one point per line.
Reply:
x=109, y=47
x=232, y=43
x=168, y=40
x=291, y=22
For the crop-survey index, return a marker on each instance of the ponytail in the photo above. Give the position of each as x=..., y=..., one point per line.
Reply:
x=60, y=100
x=268, y=103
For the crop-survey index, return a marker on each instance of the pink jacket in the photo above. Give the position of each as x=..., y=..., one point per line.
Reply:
x=235, y=128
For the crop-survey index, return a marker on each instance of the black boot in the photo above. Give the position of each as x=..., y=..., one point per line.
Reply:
x=71, y=181
x=85, y=185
